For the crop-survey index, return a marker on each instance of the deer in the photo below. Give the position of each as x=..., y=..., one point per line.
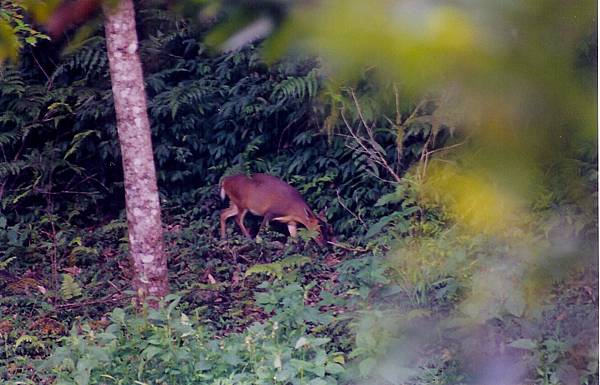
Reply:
x=271, y=198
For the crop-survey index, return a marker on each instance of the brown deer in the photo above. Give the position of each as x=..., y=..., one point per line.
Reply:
x=271, y=198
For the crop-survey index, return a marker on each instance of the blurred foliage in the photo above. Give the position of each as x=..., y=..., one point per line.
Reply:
x=507, y=71
x=16, y=31
x=453, y=146
x=209, y=117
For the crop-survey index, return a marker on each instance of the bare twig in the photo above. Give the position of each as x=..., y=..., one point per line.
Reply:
x=360, y=114
x=367, y=148
x=424, y=159
x=337, y=191
x=104, y=300
x=362, y=149
x=399, y=127
x=54, y=253
x=70, y=192
x=282, y=134
x=447, y=147
x=48, y=78
x=342, y=246
x=397, y=98
x=115, y=286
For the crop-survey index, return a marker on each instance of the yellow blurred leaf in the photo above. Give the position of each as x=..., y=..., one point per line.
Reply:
x=471, y=199
x=9, y=45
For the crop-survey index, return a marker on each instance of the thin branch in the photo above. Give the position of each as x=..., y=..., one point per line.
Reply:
x=400, y=129
x=54, y=252
x=423, y=160
x=287, y=127
x=354, y=135
x=443, y=161
x=362, y=117
x=366, y=152
x=342, y=246
x=397, y=98
x=447, y=147
x=337, y=191
x=71, y=192
x=371, y=152
x=48, y=78
x=104, y=300
x=380, y=178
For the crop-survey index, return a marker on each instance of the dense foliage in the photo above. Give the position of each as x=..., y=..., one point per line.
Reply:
x=211, y=115
x=275, y=311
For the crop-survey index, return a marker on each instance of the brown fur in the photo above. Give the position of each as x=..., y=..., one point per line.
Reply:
x=269, y=197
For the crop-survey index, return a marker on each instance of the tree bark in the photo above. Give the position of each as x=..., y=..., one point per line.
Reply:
x=133, y=126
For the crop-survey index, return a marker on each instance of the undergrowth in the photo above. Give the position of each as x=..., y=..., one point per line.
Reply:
x=407, y=294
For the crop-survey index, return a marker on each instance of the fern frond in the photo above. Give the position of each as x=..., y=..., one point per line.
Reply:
x=12, y=83
x=90, y=58
x=6, y=262
x=12, y=168
x=77, y=140
x=32, y=340
x=186, y=94
x=69, y=288
x=277, y=268
x=10, y=137
x=299, y=87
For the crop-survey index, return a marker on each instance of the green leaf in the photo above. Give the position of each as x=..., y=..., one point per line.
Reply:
x=319, y=341
x=333, y=368
x=515, y=304
x=302, y=341
x=13, y=237
x=152, y=351
x=377, y=227
x=175, y=301
x=107, y=336
x=203, y=365
x=84, y=368
x=118, y=316
x=366, y=366
x=397, y=374
x=524, y=343
x=99, y=354
x=78, y=138
x=69, y=288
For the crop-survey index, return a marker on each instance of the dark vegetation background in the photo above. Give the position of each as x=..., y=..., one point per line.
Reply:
x=269, y=312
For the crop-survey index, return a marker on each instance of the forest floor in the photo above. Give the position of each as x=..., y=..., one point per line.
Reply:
x=220, y=283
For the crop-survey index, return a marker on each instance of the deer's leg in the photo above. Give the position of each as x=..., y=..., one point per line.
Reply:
x=265, y=222
x=292, y=228
x=227, y=213
x=239, y=219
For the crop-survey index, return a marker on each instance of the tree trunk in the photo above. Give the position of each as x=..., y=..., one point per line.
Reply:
x=133, y=126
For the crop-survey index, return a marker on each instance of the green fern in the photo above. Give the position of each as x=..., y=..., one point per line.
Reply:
x=4, y=264
x=89, y=58
x=296, y=87
x=69, y=288
x=277, y=269
x=114, y=226
x=77, y=139
x=12, y=168
x=185, y=94
x=12, y=83
x=32, y=340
